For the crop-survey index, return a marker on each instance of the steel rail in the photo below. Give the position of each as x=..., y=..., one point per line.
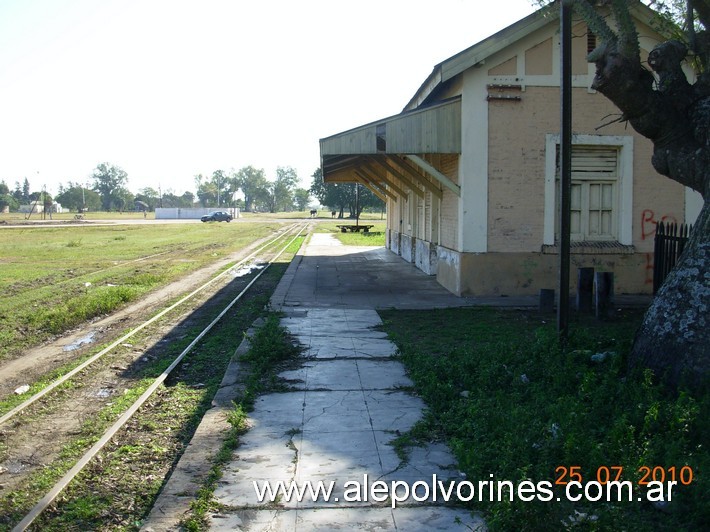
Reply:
x=19, y=408
x=126, y=416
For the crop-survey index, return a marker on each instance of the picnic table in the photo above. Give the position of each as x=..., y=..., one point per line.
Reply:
x=354, y=228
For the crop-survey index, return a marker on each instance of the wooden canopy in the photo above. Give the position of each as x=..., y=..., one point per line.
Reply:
x=388, y=155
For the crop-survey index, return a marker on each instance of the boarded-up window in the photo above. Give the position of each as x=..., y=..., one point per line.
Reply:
x=594, y=207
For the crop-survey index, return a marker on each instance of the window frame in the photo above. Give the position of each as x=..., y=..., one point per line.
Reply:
x=623, y=189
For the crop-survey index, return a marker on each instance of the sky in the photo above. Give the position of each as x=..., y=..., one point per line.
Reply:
x=168, y=89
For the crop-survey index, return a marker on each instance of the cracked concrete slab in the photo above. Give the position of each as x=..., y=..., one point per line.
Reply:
x=352, y=403
x=347, y=403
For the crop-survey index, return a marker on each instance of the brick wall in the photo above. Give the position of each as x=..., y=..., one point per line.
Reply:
x=517, y=168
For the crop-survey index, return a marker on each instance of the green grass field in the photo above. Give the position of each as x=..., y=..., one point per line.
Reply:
x=15, y=217
x=54, y=278
x=514, y=405
x=375, y=237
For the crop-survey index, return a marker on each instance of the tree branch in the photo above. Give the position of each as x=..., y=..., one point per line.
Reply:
x=629, y=38
x=597, y=24
x=702, y=9
x=668, y=116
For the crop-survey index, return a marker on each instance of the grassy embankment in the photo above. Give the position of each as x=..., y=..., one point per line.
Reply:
x=513, y=405
x=54, y=278
x=118, y=488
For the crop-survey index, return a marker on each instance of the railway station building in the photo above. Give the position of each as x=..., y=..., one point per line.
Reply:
x=469, y=168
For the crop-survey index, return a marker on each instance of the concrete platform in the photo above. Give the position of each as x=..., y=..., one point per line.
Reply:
x=327, y=274
x=348, y=401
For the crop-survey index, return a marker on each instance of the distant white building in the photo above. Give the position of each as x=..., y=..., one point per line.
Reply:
x=36, y=207
x=191, y=213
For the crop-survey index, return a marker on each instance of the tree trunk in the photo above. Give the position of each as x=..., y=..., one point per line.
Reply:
x=673, y=339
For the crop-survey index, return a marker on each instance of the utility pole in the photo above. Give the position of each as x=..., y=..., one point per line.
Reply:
x=357, y=204
x=565, y=165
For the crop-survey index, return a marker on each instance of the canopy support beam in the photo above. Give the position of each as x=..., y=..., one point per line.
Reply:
x=407, y=181
x=374, y=187
x=436, y=174
x=387, y=165
x=384, y=179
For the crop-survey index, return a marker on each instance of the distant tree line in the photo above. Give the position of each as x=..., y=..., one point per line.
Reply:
x=106, y=190
x=248, y=188
x=21, y=195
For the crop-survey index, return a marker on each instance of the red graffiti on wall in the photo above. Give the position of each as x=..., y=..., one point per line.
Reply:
x=649, y=222
x=649, y=226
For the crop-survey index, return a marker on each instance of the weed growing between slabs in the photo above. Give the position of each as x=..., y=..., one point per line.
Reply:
x=269, y=353
x=512, y=403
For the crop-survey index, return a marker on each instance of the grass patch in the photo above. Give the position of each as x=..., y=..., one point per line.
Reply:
x=117, y=489
x=511, y=403
x=57, y=277
x=375, y=237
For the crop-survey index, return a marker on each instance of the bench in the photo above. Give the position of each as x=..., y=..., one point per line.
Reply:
x=354, y=228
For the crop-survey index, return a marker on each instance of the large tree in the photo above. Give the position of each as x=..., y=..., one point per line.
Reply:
x=335, y=196
x=6, y=199
x=22, y=192
x=150, y=197
x=674, y=339
x=253, y=184
x=170, y=199
x=76, y=197
x=223, y=184
x=301, y=197
x=341, y=196
x=110, y=182
x=208, y=191
x=283, y=188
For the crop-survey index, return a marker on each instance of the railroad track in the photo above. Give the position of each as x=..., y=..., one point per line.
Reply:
x=43, y=406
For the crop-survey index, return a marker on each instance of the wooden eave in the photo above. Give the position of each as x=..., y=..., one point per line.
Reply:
x=370, y=152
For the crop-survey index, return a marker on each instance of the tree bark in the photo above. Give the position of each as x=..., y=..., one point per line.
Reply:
x=674, y=338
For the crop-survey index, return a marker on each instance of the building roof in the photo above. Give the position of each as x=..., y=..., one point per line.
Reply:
x=394, y=145
x=479, y=52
